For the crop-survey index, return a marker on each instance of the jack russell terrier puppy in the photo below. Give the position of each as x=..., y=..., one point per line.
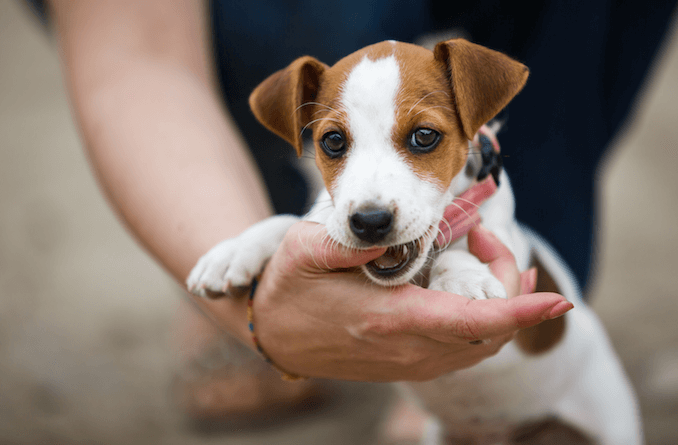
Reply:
x=393, y=125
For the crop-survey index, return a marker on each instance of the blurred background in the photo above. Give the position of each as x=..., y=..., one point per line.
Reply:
x=86, y=318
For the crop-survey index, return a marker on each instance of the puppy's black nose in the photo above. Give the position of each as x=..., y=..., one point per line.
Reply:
x=371, y=225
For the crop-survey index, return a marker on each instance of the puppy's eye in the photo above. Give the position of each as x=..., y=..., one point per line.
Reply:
x=334, y=144
x=424, y=140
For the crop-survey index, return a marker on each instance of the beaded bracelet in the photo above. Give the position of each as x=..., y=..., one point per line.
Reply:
x=250, y=324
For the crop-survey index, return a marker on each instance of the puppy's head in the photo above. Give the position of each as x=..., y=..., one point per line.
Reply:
x=391, y=125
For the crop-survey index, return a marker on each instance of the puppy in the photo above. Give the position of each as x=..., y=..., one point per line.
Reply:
x=392, y=125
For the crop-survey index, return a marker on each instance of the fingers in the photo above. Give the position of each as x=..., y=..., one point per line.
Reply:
x=486, y=246
x=528, y=281
x=312, y=247
x=471, y=199
x=489, y=249
x=463, y=215
x=483, y=319
x=449, y=318
x=451, y=230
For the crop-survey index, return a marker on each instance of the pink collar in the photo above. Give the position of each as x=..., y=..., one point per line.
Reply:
x=462, y=215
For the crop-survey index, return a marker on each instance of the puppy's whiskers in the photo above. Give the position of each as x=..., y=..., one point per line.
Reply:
x=317, y=104
x=435, y=106
x=467, y=201
x=468, y=215
x=424, y=97
x=318, y=120
x=447, y=241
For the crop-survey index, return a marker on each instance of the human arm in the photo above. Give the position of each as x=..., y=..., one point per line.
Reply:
x=166, y=154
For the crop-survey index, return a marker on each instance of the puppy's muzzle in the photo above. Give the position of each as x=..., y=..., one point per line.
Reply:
x=371, y=225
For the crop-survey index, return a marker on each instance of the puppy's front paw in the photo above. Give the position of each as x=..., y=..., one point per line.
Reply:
x=227, y=265
x=235, y=262
x=474, y=285
x=461, y=273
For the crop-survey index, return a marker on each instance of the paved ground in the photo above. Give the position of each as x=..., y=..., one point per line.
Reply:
x=85, y=316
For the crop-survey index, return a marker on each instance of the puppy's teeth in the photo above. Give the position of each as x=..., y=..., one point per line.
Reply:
x=388, y=260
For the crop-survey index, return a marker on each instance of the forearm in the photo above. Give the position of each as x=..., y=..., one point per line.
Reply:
x=170, y=163
x=166, y=154
x=168, y=158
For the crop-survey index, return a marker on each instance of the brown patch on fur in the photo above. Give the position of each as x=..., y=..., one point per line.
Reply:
x=329, y=118
x=330, y=115
x=544, y=336
x=425, y=100
x=278, y=102
x=484, y=81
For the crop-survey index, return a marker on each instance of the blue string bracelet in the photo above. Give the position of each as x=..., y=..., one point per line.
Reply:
x=250, y=324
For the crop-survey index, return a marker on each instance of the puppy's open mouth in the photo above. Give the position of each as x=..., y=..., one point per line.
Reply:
x=395, y=261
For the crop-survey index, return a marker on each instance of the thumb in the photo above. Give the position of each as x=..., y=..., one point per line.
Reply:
x=312, y=246
x=482, y=319
x=448, y=317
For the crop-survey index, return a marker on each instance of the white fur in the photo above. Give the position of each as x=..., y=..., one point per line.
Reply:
x=458, y=272
x=580, y=380
x=236, y=261
x=375, y=174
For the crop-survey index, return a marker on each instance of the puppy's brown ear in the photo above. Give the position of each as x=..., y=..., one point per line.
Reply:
x=279, y=101
x=483, y=81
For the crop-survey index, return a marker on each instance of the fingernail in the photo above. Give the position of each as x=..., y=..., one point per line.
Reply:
x=559, y=310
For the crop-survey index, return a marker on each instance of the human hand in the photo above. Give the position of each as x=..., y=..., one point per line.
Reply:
x=462, y=215
x=315, y=315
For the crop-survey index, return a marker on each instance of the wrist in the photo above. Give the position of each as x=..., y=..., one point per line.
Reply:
x=250, y=324
x=228, y=314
